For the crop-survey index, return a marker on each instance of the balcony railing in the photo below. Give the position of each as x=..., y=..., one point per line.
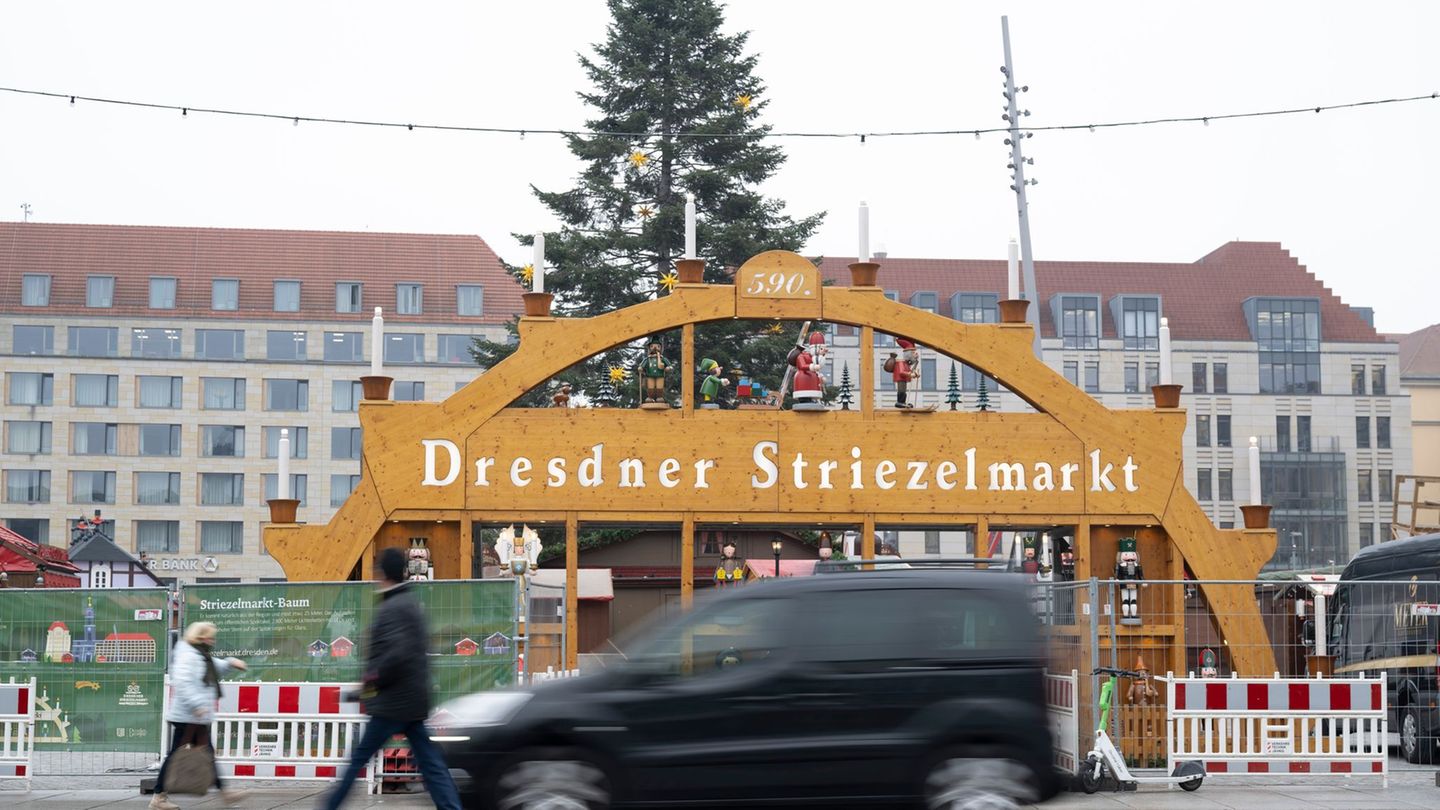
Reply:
x=1314, y=444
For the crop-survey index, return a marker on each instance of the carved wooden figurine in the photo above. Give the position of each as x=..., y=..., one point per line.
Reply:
x=1129, y=572
x=711, y=385
x=652, y=376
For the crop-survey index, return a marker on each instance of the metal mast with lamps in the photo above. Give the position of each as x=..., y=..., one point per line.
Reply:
x=776, y=545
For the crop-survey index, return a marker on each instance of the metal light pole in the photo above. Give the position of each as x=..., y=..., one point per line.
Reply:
x=776, y=546
x=1017, y=163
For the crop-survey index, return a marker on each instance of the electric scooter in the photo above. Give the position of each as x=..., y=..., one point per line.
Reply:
x=1105, y=759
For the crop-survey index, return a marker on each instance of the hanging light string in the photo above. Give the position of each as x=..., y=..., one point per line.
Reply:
x=522, y=131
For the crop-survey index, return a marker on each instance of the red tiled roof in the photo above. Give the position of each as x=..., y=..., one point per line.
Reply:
x=1202, y=299
x=1420, y=353
x=195, y=256
x=55, y=559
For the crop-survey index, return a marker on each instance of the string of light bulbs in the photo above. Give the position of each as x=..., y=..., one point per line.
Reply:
x=523, y=131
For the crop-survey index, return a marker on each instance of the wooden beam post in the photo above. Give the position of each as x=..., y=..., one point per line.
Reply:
x=467, y=547
x=687, y=370
x=687, y=561
x=572, y=590
x=982, y=536
x=867, y=537
x=867, y=372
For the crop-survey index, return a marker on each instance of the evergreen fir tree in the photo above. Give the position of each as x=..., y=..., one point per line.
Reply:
x=952, y=389
x=666, y=67
x=982, y=397
x=605, y=392
x=845, y=395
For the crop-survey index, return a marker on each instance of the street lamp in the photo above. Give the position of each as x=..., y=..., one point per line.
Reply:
x=826, y=550
x=776, y=546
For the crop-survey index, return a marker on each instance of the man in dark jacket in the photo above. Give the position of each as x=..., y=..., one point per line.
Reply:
x=396, y=689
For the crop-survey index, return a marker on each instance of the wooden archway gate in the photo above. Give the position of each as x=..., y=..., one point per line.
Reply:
x=693, y=466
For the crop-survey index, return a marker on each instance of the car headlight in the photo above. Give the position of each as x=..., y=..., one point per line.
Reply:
x=480, y=709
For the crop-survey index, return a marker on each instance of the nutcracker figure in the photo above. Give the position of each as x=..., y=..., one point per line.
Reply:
x=808, y=360
x=1061, y=543
x=1028, y=561
x=731, y=570
x=1129, y=572
x=418, y=567
x=903, y=369
x=652, y=375
x=712, y=384
x=1209, y=664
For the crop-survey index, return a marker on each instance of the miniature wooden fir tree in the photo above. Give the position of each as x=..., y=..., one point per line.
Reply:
x=952, y=389
x=982, y=397
x=845, y=395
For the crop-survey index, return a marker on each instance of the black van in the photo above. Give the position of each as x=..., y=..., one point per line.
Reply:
x=892, y=686
x=1386, y=618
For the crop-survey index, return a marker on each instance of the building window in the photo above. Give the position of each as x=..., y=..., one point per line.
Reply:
x=1366, y=483
x=1282, y=434
x=410, y=391
x=225, y=294
x=1222, y=430
x=222, y=441
x=162, y=292
x=36, y=530
x=1386, y=479
x=219, y=344
x=287, y=296
x=34, y=290
x=975, y=307
x=31, y=388
x=344, y=347
x=340, y=488
x=1288, y=333
x=1362, y=431
x=222, y=537
x=157, y=488
x=27, y=486
x=928, y=301
x=299, y=442
x=409, y=299
x=287, y=395
x=284, y=344
x=344, y=443
x=1140, y=323
x=1203, y=483
x=929, y=376
x=271, y=482
x=469, y=299
x=454, y=349
x=1202, y=430
x=347, y=296
x=222, y=489
x=345, y=396
x=1080, y=322
x=155, y=342
x=1221, y=379
x=27, y=438
x=1132, y=378
x=1092, y=377
x=92, y=486
x=1382, y=432
x=1302, y=434
x=34, y=340
x=157, y=536
x=93, y=438
x=161, y=392
x=1199, y=374
x=99, y=576
x=1152, y=375
x=223, y=393
x=1072, y=372
x=1377, y=381
x=100, y=292
x=1357, y=380
x=406, y=348
x=932, y=542
x=159, y=440
x=1226, y=478
x=95, y=390
x=94, y=341
x=1367, y=534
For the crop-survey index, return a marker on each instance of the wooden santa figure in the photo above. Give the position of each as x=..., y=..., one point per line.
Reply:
x=808, y=361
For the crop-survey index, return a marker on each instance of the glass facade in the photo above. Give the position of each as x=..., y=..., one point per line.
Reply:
x=1308, y=493
x=1288, y=333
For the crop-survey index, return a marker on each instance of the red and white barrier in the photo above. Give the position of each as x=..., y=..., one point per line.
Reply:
x=1060, y=705
x=286, y=731
x=17, y=730
x=1279, y=726
x=551, y=673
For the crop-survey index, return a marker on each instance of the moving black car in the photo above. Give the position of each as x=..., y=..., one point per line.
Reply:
x=892, y=686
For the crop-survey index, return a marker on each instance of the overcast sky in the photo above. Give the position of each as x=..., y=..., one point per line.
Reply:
x=1352, y=194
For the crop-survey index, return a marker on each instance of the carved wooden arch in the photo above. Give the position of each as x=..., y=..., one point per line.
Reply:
x=477, y=417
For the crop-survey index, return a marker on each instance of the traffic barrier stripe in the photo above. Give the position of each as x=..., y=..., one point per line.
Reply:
x=1277, y=695
x=17, y=729
x=282, y=699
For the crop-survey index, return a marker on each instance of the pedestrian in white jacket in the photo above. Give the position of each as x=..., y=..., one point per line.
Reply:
x=195, y=687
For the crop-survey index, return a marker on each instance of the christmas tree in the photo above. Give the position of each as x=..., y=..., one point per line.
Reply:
x=982, y=397
x=952, y=389
x=604, y=396
x=665, y=68
x=845, y=387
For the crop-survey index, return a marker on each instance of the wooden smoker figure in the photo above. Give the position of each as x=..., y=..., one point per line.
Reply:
x=1129, y=572
x=652, y=378
x=731, y=570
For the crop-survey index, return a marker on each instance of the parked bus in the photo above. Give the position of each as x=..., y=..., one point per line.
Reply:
x=1386, y=618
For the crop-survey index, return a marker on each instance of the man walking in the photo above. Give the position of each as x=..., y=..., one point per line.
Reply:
x=396, y=689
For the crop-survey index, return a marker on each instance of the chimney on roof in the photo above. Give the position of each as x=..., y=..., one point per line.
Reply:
x=880, y=253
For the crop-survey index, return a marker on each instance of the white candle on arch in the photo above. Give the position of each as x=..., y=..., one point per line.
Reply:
x=377, y=342
x=1167, y=374
x=282, y=483
x=864, y=232
x=537, y=279
x=1012, y=272
x=1254, y=471
x=690, y=251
